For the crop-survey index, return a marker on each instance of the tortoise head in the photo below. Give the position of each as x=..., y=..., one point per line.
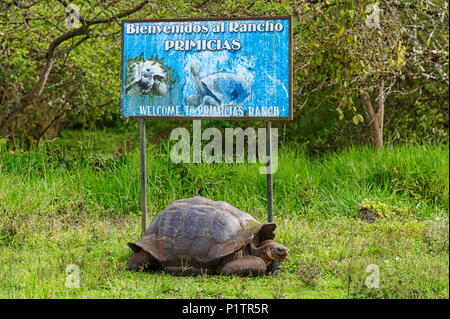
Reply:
x=267, y=248
x=195, y=70
x=273, y=251
x=153, y=78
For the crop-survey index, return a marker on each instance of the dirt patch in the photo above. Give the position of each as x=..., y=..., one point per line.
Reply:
x=368, y=214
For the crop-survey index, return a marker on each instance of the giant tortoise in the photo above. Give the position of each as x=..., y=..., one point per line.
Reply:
x=200, y=236
x=218, y=89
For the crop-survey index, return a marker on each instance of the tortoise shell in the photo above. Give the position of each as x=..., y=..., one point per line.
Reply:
x=228, y=87
x=200, y=232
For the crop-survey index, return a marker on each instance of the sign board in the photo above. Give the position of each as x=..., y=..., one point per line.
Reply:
x=221, y=68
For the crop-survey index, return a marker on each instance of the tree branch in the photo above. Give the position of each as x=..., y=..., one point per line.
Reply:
x=20, y=103
x=120, y=15
x=25, y=5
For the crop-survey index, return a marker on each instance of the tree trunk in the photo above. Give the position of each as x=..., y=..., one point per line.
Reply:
x=375, y=117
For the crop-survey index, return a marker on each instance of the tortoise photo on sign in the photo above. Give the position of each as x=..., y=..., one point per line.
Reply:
x=218, y=88
x=147, y=77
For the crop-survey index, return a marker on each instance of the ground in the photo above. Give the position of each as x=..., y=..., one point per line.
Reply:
x=358, y=224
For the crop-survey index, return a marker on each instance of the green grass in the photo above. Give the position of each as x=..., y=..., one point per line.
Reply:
x=76, y=201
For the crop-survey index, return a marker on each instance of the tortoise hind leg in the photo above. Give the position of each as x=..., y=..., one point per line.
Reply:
x=244, y=266
x=142, y=261
x=138, y=262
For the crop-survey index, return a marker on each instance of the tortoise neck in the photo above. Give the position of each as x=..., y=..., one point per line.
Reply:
x=257, y=251
x=196, y=79
x=196, y=76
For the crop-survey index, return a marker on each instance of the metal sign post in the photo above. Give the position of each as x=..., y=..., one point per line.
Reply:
x=143, y=173
x=269, y=173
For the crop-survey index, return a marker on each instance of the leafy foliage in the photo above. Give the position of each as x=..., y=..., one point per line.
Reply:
x=342, y=48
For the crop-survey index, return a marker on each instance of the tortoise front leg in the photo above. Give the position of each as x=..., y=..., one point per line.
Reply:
x=244, y=266
x=273, y=268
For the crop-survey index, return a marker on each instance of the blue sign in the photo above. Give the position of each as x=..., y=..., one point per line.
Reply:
x=207, y=68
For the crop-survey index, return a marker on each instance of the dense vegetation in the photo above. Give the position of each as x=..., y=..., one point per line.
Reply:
x=355, y=65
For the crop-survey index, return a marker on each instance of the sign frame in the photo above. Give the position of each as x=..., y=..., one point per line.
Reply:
x=291, y=75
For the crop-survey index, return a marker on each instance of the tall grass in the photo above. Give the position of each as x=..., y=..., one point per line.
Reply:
x=411, y=177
